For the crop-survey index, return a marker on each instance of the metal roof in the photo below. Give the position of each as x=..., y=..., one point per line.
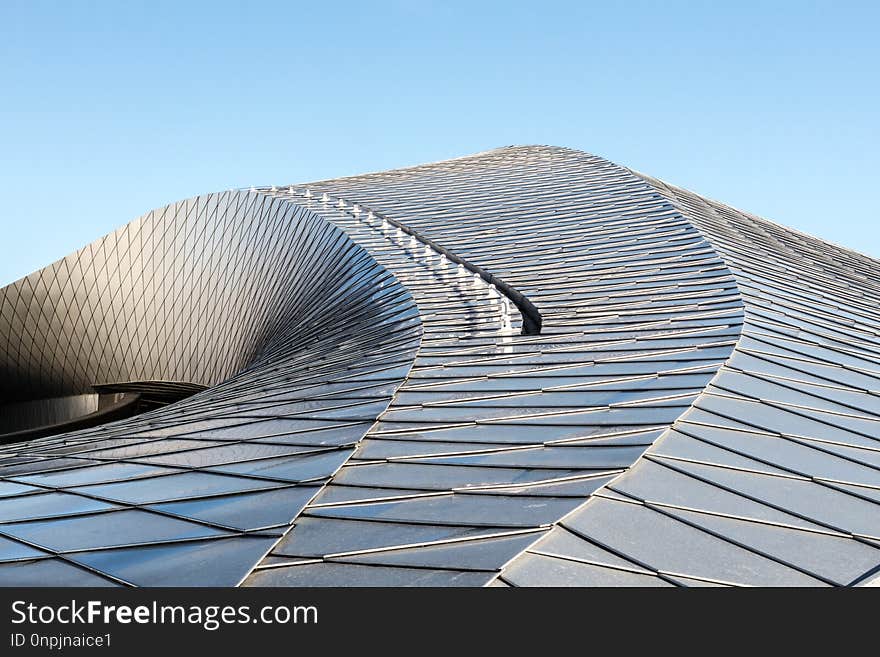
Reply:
x=529, y=366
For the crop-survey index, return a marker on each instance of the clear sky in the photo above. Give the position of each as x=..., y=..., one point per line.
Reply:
x=110, y=109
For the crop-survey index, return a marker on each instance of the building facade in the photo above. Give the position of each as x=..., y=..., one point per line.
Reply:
x=525, y=367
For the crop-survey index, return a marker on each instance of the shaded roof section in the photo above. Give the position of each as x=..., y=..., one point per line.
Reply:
x=198, y=491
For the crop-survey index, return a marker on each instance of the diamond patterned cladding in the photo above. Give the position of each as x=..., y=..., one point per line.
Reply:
x=515, y=460
x=302, y=335
x=492, y=429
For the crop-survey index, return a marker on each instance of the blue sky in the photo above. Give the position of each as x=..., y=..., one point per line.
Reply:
x=110, y=109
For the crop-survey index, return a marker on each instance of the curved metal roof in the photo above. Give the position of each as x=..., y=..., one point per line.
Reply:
x=529, y=366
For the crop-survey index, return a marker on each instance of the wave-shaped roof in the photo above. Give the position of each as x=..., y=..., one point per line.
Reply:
x=529, y=366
